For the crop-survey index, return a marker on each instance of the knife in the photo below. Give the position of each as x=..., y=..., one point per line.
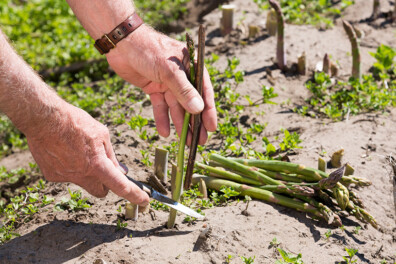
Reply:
x=162, y=198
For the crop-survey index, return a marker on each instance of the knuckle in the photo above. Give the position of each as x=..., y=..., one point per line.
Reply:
x=125, y=191
x=168, y=73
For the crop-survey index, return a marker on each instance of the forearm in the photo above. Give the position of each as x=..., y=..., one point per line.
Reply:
x=99, y=17
x=24, y=97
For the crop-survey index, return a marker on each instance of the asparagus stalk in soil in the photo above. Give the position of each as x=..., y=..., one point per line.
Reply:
x=301, y=64
x=376, y=9
x=198, y=83
x=178, y=182
x=394, y=14
x=356, y=66
x=260, y=194
x=326, y=64
x=280, y=46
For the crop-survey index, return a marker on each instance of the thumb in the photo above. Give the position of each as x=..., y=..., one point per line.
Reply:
x=183, y=90
x=116, y=181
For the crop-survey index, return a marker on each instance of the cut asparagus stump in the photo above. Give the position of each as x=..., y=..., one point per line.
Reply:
x=202, y=189
x=131, y=211
x=271, y=24
x=227, y=19
x=326, y=64
x=253, y=31
x=322, y=165
x=301, y=64
x=336, y=158
x=161, y=164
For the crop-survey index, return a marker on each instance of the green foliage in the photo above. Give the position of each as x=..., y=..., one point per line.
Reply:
x=327, y=234
x=228, y=259
x=47, y=34
x=223, y=199
x=274, y=242
x=384, y=68
x=121, y=225
x=161, y=13
x=10, y=137
x=158, y=206
x=290, y=141
x=20, y=209
x=249, y=260
x=289, y=258
x=146, y=157
x=356, y=230
x=75, y=203
x=314, y=12
x=268, y=94
x=137, y=122
x=351, y=253
x=338, y=100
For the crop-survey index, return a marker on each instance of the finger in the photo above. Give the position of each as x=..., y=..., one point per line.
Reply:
x=209, y=115
x=113, y=178
x=92, y=186
x=176, y=79
x=176, y=111
x=109, y=150
x=161, y=113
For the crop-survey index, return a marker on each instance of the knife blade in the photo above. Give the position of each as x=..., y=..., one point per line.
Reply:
x=166, y=200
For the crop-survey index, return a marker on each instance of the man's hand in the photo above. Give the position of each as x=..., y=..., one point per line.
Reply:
x=76, y=148
x=158, y=64
x=153, y=62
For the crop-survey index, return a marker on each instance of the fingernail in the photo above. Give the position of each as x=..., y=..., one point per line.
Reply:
x=196, y=105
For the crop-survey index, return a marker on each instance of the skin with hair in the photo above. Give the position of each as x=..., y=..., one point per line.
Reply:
x=66, y=142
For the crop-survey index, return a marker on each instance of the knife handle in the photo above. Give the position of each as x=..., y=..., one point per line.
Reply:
x=140, y=185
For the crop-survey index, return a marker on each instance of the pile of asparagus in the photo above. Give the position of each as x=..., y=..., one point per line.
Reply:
x=322, y=195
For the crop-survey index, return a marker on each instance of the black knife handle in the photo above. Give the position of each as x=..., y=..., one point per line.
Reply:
x=140, y=185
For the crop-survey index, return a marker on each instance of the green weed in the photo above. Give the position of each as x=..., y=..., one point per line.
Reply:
x=75, y=203
x=20, y=209
x=312, y=12
x=290, y=141
x=121, y=225
x=356, y=230
x=327, y=234
x=274, y=243
x=158, y=205
x=248, y=260
x=341, y=99
x=288, y=258
x=351, y=253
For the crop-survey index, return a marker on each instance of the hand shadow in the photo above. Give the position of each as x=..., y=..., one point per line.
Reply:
x=61, y=241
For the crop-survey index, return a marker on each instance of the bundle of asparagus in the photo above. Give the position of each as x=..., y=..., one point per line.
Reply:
x=322, y=195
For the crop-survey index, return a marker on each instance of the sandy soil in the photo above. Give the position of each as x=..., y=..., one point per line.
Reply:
x=53, y=237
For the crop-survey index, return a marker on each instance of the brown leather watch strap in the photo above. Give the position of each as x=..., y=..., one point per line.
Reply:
x=109, y=41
